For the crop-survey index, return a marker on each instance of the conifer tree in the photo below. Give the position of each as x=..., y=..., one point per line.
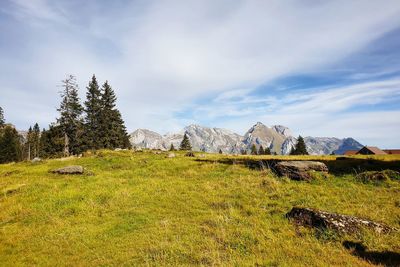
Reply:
x=220, y=151
x=93, y=108
x=172, y=148
x=261, y=151
x=36, y=140
x=185, y=144
x=52, y=142
x=29, y=143
x=267, y=151
x=10, y=146
x=253, y=149
x=300, y=148
x=112, y=125
x=71, y=116
x=2, y=120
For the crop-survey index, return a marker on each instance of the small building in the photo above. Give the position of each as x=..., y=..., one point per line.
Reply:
x=370, y=150
x=350, y=152
x=392, y=151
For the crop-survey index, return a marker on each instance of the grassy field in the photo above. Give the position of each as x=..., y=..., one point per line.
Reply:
x=144, y=209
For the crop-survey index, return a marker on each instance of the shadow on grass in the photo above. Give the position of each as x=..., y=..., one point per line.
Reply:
x=340, y=166
x=385, y=258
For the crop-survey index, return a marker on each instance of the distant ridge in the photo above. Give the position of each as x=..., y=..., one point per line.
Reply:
x=278, y=138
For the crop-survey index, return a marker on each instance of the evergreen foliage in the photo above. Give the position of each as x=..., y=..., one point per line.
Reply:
x=36, y=140
x=220, y=151
x=52, y=142
x=114, y=134
x=300, y=148
x=185, y=144
x=93, y=111
x=71, y=117
x=261, y=150
x=10, y=145
x=253, y=149
x=2, y=120
x=172, y=148
x=267, y=151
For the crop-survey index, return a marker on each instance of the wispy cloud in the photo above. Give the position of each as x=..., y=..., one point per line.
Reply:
x=161, y=57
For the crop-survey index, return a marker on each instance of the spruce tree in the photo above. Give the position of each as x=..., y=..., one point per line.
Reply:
x=52, y=142
x=114, y=134
x=71, y=116
x=2, y=120
x=267, y=151
x=36, y=140
x=261, y=151
x=93, y=109
x=253, y=149
x=10, y=146
x=29, y=143
x=220, y=151
x=172, y=148
x=185, y=144
x=300, y=148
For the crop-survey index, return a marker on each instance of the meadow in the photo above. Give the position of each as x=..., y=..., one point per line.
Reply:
x=141, y=208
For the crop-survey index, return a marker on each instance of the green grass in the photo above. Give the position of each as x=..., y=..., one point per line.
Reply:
x=145, y=209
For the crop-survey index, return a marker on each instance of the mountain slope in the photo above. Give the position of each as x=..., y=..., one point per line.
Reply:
x=277, y=137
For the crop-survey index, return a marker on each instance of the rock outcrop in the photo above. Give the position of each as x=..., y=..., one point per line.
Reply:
x=278, y=138
x=69, y=170
x=300, y=170
x=341, y=223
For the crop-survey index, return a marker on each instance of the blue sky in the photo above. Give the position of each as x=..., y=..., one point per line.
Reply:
x=322, y=68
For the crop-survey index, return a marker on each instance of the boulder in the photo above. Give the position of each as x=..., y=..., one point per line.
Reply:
x=37, y=159
x=341, y=223
x=189, y=154
x=171, y=155
x=69, y=170
x=300, y=170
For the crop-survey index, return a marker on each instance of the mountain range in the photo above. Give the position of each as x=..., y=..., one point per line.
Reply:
x=277, y=137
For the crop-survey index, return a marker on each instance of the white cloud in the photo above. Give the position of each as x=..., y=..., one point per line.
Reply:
x=160, y=56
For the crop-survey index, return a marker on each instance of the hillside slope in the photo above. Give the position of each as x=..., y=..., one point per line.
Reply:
x=144, y=209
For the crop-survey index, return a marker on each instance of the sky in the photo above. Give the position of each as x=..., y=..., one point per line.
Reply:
x=321, y=68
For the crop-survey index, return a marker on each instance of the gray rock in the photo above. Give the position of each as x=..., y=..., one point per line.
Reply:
x=300, y=170
x=341, y=223
x=171, y=155
x=37, y=159
x=69, y=170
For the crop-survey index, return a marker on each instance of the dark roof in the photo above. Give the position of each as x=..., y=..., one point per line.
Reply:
x=373, y=149
x=350, y=152
x=392, y=151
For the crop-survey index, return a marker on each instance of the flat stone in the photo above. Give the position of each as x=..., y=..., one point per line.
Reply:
x=300, y=170
x=69, y=170
x=339, y=222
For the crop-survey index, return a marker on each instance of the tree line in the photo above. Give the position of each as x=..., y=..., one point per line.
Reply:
x=95, y=124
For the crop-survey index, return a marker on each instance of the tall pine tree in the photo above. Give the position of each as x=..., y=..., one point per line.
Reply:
x=253, y=149
x=36, y=140
x=10, y=145
x=70, y=117
x=52, y=142
x=300, y=148
x=93, y=110
x=2, y=120
x=185, y=144
x=261, y=150
x=114, y=134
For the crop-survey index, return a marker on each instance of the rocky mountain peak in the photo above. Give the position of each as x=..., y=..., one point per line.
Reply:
x=278, y=138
